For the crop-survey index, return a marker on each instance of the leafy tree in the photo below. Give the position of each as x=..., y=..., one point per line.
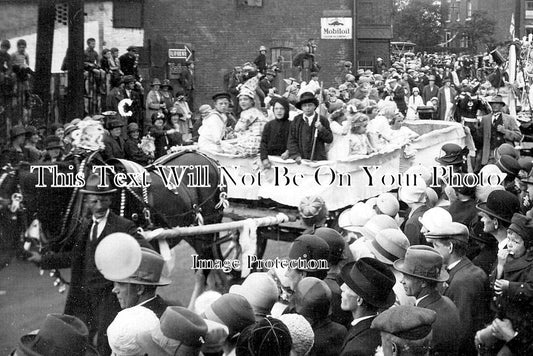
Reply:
x=418, y=21
x=480, y=28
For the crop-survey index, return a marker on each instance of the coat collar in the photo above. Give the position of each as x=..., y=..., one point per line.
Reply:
x=430, y=299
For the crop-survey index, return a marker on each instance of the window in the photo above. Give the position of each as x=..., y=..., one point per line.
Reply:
x=468, y=9
x=447, y=38
x=282, y=56
x=465, y=41
x=449, y=8
x=457, y=6
x=127, y=13
x=529, y=9
x=529, y=30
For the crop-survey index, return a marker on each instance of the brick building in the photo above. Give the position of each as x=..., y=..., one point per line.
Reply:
x=221, y=33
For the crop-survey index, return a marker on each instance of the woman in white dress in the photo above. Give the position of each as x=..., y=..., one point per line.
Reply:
x=415, y=100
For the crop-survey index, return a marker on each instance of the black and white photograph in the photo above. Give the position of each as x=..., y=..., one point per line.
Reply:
x=266, y=177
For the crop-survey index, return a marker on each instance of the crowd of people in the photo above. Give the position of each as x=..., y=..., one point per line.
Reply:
x=427, y=271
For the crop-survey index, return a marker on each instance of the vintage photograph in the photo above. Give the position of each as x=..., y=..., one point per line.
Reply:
x=266, y=177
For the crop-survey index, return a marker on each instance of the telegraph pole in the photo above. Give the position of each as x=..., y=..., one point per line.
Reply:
x=76, y=18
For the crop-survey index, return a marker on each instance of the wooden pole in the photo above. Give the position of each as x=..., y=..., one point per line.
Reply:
x=75, y=93
x=43, y=65
x=176, y=232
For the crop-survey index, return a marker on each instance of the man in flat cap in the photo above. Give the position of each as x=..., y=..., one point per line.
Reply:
x=467, y=285
x=422, y=272
x=405, y=329
x=367, y=290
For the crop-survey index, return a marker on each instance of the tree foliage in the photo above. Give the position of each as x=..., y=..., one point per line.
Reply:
x=418, y=21
x=480, y=28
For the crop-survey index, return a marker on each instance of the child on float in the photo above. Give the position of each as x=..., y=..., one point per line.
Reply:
x=251, y=123
x=359, y=141
x=340, y=125
x=159, y=133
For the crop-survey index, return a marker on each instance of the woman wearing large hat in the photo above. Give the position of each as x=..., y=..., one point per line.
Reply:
x=154, y=103
x=14, y=153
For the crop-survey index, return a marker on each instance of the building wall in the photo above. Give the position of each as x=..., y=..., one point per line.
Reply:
x=19, y=20
x=224, y=34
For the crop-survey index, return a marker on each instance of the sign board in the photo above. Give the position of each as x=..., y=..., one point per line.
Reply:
x=181, y=52
x=336, y=28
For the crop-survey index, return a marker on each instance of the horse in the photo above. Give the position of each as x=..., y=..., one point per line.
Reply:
x=160, y=204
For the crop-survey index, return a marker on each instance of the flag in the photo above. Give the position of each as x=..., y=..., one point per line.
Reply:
x=511, y=27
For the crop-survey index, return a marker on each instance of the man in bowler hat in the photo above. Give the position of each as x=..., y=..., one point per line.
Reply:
x=90, y=296
x=422, y=272
x=309, y=132
x=467, y=285
x=367, y=290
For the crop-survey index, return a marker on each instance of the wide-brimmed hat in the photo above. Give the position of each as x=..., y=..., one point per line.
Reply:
x=260, y=291
x=454, y=231
x=423, y=262
x=435, y=218
x=221, y=95
x=92, y=186
x=155, y=81
x=386, y=203
x=507, y=149
x=453, y=154
x=51, y=142
x=60, y=335
x=262, y=48
x=501, y=204
x=356, y=217
x=309, y=247
x=114, y=123
x=406, y=322
x=166, y=84
x=496, y=99
x=372, y=280
x=378, y=223
x=509, y=165
x=305, y=98
x=17, y=130
x=149, y=271
x=389, y=245
x=232, y=310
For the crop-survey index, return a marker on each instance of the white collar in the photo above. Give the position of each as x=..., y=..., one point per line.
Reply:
x=103, y=218
x=147, y=300
x=358, y=320
x=502, y=244
x=420, y=299
x=452, y=265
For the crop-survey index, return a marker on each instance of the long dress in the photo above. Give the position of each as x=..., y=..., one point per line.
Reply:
x=414, y=102
x=340, y=147
x=249, y=129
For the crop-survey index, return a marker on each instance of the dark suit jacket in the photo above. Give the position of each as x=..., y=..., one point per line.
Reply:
x=467, y=287
x=328, y=338
x=446, y=329
x=361, y=340
x=114, y=148
x=427, y=93
x=158, y=305
x=301, y=136
x=412, y=227
x=186, y=80
x=86, y=281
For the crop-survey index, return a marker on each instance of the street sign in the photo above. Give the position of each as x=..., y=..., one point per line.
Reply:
x=181, y=52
